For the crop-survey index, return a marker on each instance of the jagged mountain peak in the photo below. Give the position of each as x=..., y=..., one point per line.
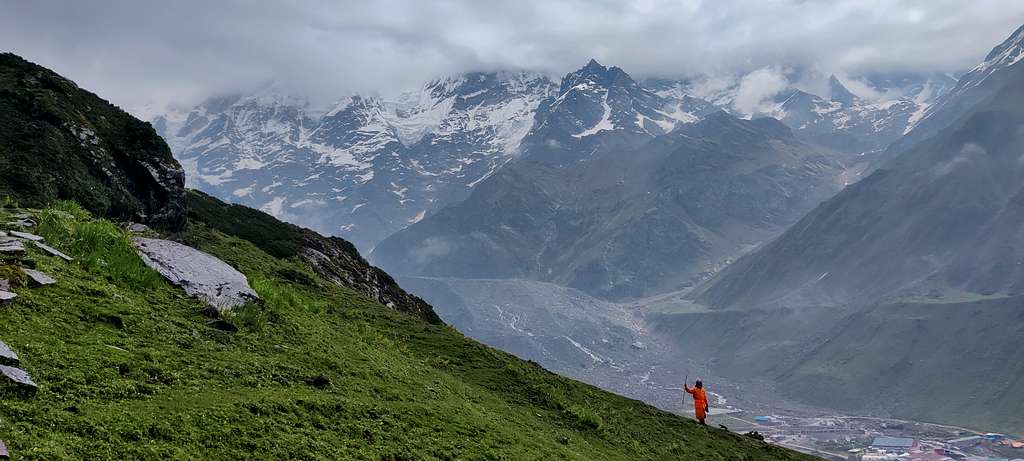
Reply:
x=839, y=93
x=599, y=75
x=600, y=100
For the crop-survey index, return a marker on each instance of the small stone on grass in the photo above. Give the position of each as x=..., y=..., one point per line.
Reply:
x=137, y=228
x=36, y=278
x=19, y=380
x=53, y=251
x=27, y=236
x=7, y=355
x=12, y=247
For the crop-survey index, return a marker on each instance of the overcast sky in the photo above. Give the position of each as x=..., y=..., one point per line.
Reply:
x=156, y=52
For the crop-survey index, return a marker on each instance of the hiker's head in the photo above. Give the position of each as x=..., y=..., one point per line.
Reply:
x=699, y=384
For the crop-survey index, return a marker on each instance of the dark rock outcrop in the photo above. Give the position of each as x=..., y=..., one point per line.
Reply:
x=332, y=258
x=58, y=141
x=338, y=261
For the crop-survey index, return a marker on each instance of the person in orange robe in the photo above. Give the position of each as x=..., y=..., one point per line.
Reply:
x=700, y=400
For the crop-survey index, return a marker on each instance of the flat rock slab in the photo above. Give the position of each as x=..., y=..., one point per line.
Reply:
x=199, y=274
x=53, y=251
x=26, y=236
x=18, y=379
x=6, y=297
x=8, y=356
x=12, y=246
x=37, y=278
x=22, y=223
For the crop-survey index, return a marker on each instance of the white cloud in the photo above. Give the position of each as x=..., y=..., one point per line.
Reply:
x=756, y=90
x=150, y=51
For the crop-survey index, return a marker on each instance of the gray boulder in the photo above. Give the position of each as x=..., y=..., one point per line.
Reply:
x=199, y=274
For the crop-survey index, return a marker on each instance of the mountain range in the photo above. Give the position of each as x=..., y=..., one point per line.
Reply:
x=793, y=237
x=368, y=166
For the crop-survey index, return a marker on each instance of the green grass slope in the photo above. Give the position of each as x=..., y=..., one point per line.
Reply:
x=128, y=369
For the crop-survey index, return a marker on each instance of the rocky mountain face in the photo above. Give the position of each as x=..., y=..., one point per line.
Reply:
x=58, y=141
x=603, y=201
x=368, y=166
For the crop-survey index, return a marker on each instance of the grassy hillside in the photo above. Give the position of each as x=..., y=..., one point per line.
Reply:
x=128, y=368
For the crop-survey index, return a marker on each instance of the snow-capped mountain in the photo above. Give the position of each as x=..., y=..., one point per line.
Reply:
x=596, y=108
x=621, y=193
x=404, y=157
x=833, y=115
x=366, y=166
x=598, y=98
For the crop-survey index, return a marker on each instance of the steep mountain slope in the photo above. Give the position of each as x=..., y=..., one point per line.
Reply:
x=619, y=212
x=941, y=220
x=59, y=141
x=336, y=362
x=909, y=272
x=976, y=86
x=365, y=168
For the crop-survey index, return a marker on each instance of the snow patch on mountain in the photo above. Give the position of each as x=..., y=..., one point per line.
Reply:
x=605, y=123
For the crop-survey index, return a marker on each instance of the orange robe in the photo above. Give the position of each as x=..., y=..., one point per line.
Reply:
x=700, y=401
